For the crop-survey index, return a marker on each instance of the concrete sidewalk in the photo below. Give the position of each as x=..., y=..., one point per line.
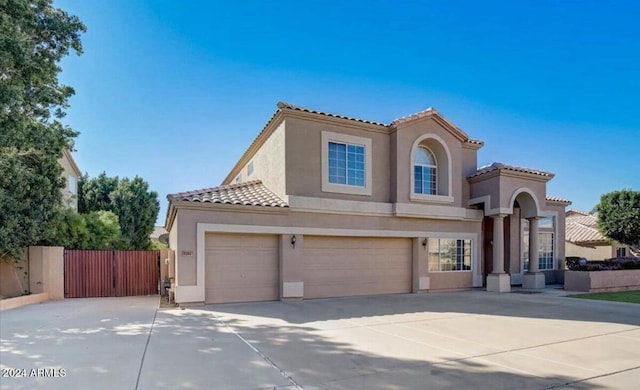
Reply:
x=470, y=339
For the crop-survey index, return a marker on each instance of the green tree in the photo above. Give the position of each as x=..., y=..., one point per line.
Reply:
x=95, y=230
x=34, y=37
x=619, y=216
x=95, y=194
x=136, y=207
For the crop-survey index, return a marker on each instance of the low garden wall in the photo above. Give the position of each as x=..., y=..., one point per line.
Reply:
x=599, y=281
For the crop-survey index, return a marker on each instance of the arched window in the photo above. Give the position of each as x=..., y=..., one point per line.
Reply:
x=425, y=171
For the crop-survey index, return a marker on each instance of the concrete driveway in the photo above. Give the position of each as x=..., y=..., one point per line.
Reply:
x=461, y=340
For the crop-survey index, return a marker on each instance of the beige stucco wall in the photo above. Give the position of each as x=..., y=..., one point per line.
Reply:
x=14, y=276
x=595, y=252
x=269, y=163
x=188, y=218
x=46, y=270
x=304, y=158
x=463, y=162
x=600, y=281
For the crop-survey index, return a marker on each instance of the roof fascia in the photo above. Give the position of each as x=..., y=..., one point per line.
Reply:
x=438, y=118
x=184, y=205
x=72, y=162
x=263, y=136
x=509, y=173
x=345, y=122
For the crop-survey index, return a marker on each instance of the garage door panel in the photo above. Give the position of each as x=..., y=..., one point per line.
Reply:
x=241, y=268
x=344, y=266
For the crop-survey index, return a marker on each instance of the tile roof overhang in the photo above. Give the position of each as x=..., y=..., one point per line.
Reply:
x=287, y=109
x=251, y=193
x=557, y=199
x=496, y=169
x=248, y=194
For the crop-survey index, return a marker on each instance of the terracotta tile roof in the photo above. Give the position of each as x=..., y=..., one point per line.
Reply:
x=282, y=105
x=500, y=166
x=429, y=111
x=552, y=198
x=252, y=193
x=583, y=228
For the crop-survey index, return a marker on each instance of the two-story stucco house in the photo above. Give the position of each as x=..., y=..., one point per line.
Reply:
x=322, y=205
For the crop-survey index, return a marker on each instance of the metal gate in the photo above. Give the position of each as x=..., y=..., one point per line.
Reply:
x=97, y=273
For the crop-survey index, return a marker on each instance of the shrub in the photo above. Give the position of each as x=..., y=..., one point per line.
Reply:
x=614, y=264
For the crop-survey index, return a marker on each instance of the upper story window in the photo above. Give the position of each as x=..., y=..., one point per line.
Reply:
x=250, y=168
x=71, y=181
x=346, y=164
x=425, y=171
x=430, y=170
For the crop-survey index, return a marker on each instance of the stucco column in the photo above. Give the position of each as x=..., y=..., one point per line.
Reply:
x=533, y=245
x=498, y=280
x=533, y=279
x=498, y=244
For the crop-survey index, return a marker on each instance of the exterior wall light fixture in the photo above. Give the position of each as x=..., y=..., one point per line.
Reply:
x=424, y=244
x=293, y=240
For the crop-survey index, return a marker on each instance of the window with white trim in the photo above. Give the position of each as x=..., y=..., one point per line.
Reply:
x=546, y=243
x=449, y=254
x=346, y=164
x=425, y=170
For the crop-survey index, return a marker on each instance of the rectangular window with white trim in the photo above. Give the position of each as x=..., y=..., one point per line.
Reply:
x=448, y=254
x=546, y=243
x=347, y=164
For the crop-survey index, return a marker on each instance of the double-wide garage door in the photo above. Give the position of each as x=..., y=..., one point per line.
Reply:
x=244, y=267
x=345, y=266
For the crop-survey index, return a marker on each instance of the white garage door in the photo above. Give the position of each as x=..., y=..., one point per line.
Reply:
x=344, y=266
x=241, y=268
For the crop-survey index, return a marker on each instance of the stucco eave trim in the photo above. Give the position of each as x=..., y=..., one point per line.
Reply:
x=271, y=126
x=552, y=203
x=508, y=173
x=344, y=122
x=230, y=208
x=171, y=217
x=72, y=162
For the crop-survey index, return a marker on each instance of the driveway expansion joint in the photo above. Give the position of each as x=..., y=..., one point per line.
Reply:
x=262, y=355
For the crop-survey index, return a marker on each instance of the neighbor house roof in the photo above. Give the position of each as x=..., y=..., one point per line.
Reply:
x=497, y=166
x=157, y=232
x=582, y=228
x=252, y=193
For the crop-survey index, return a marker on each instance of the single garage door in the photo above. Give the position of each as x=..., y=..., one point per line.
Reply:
x=241, y=268
x=344, y=266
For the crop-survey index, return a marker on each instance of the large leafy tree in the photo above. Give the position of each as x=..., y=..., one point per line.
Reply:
x=131, y=200
x=95, y=230
x=619, y=216
x=34, y=37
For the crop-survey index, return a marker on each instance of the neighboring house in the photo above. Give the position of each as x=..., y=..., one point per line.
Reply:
x=71, y=173
x=323, y=205
x=583, y=239
x=159, y=235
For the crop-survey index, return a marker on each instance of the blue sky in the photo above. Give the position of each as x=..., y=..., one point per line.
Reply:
x=175, y=91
